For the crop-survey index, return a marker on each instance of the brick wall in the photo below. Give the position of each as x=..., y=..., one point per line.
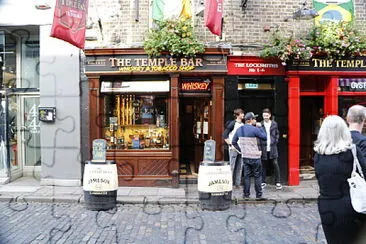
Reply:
x=126, y=22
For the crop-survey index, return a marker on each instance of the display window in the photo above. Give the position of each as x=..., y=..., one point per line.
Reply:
x=136, y=120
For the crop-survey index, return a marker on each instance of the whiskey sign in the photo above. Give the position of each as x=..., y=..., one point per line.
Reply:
x=195, y=85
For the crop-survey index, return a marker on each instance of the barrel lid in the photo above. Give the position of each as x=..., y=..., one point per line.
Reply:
x=100, y=162
x=216, y=163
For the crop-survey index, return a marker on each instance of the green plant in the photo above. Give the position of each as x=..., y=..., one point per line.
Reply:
x=329, y=40
x=175, y=37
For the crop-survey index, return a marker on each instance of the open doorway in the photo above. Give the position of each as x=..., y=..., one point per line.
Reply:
x=194, y=114
x=311, y=117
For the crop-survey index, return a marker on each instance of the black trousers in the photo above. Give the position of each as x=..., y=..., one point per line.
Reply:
x=266, y=164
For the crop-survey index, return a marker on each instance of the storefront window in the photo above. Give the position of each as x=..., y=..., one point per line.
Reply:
x=19, y=58
x=136, y=120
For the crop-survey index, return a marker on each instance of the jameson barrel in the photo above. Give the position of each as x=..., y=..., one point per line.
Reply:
x=215, y=185
x=100, y=185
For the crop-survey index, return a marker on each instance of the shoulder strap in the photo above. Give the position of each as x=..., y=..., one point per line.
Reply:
x=356, y=163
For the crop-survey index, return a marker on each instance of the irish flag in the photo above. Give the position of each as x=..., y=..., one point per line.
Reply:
x=171, y=9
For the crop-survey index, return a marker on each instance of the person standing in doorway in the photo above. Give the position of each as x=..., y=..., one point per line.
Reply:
x=236, y=162
x=356, y=118
x=269, y=148
x=245, y=140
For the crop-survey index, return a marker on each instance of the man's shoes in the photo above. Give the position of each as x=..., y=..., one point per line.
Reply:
x=263, y=185
x=237, y=187
x=260, y=199
x=278, y=186
x=246, y=198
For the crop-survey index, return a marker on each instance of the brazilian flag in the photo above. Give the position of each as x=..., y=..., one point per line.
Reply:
x=334, y=10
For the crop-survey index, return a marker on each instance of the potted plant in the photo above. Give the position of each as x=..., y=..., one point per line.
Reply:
x=329, y=40
x=175, y=37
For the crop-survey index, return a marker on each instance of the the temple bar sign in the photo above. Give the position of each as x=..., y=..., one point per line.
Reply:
x=143, y=63
x=354, y=64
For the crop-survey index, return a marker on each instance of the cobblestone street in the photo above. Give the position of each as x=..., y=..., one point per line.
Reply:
x=244, y=223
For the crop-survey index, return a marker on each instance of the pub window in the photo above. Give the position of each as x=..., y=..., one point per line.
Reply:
x=136, y=115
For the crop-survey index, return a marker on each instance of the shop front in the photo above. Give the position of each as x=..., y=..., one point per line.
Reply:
x=318, y=88
x=155, y=113
x=254, y=83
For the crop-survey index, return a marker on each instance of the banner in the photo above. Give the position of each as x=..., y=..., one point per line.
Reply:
x=334, y=10
x=213, y=16
x=69, y=21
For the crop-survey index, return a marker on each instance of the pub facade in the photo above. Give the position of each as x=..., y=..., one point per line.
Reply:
x=155, y=113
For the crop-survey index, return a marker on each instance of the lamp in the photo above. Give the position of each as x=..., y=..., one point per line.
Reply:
x=305, y=13
x=200, y=8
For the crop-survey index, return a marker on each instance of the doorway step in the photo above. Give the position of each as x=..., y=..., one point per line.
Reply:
x=307, y=172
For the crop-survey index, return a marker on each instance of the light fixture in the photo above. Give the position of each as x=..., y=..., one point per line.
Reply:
x=42, y=4
x=304, y=13
x=200, y=8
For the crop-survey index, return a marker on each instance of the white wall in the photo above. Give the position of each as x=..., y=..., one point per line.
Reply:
x=60, y=88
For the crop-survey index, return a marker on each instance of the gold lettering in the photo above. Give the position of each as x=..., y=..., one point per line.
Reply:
x=152, y=62
x=113, y=61
x=183, y=62
x=199, y=62
x=350, y=63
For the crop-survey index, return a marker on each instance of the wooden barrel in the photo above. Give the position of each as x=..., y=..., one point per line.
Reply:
x=215, y=185
x=100, y=185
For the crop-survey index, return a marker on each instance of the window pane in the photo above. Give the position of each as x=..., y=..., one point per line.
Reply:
x=30, y=62
x=134, y=121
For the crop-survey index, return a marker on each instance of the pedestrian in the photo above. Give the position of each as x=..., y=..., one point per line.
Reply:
x=234, y=157
x=333, y=161
x=269, y=148
x=356, y=118
x=245, y=140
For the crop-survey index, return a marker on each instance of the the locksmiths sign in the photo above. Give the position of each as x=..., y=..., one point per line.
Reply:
x=143, y=63
x=195, y=85
x=315, y=64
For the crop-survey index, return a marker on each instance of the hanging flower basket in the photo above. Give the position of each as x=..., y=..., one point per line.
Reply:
x=175, y=37
x=330, y=40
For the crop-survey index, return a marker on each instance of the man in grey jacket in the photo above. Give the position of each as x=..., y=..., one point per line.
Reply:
x=245, y=140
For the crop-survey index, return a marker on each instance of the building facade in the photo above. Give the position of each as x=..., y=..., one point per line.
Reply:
x=251, y=83
x=56, y=98
x=40, y=97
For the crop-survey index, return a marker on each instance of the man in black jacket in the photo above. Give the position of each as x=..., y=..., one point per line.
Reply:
x=236, y=162
x=356, y=118
x=269, y=148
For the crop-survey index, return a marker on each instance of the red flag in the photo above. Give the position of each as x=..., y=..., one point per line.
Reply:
x=213, y=15
x=69, y=21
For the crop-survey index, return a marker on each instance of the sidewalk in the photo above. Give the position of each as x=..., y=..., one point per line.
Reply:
x=30, y=190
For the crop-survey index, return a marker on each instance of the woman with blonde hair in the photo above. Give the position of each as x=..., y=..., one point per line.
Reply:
x=333, y=163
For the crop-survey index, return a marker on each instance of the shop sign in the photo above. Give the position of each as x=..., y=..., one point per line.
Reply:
x=352, y=84
x=100, y=177
x=195, y=85
x=143, y=63
x=316, y=64
x=254, y=66
x=214, y=179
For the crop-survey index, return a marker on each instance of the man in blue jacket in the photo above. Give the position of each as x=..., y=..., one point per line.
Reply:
x=356, y=118
x=246, y=141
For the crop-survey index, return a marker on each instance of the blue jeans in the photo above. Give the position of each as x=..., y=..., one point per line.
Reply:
x=252, y=167
x=236, y=164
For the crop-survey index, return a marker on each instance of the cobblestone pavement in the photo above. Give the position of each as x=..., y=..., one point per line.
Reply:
x=243, y=223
